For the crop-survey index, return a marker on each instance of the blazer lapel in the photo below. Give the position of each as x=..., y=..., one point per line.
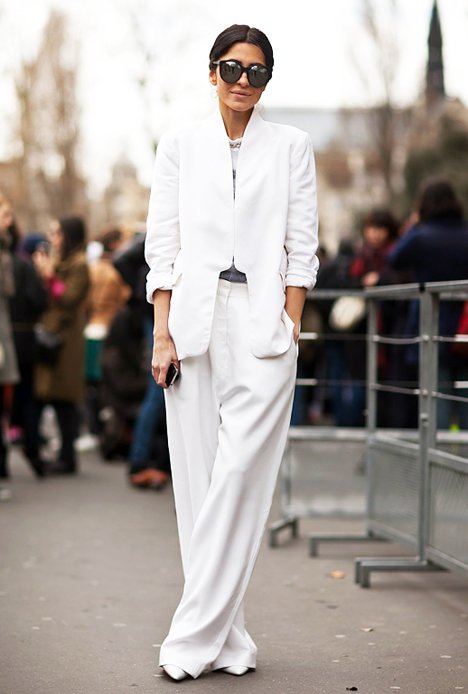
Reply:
x=217, y=158
x=253, y=165
x=251, y=153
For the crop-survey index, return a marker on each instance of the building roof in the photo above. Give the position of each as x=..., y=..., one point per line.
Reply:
x=349, y=128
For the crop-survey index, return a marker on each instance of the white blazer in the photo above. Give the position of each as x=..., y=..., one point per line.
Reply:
x=195, y=227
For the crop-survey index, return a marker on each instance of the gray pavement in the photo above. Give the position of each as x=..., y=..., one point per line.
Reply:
x=90, y=576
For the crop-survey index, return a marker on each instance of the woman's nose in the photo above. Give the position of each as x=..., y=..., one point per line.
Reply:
x=243, y=81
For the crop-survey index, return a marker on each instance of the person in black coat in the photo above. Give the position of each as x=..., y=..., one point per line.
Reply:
x=148, y=452
x=123, y=381
x=26, y=307
x=435, y=249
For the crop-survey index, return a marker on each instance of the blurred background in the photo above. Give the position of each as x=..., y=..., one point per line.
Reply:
x=86, y=89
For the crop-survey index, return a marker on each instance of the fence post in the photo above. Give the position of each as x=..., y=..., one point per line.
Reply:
x=428, y=369
x=372, y=347
x=371, y=387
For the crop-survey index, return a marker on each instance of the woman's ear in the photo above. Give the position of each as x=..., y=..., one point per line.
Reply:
x=213, y=77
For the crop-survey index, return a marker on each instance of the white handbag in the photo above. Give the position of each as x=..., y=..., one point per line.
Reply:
x=347, y=312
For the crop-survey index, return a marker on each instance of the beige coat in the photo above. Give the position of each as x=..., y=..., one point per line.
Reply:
x=66, y=316
x=108, y=293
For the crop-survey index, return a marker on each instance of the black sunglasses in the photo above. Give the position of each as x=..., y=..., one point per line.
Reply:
x=231, y=70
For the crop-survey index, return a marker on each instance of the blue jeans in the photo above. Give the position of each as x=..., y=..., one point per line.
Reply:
x=348, y=398
x=151, y=410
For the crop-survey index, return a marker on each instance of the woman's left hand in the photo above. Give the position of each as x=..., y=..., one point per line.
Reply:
x=296, y=332
x=370, y=279
x=294, y=305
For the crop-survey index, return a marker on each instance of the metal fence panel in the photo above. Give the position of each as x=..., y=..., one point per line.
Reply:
x=448, y=512
x=320, y=478
x=394, y=480
x=418, y=493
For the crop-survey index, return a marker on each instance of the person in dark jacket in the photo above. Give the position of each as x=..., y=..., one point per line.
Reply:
x=123, y=381
x=366, y=267
x=435, y=249
x=143, y=470
x=334, y=274
x=26, y=306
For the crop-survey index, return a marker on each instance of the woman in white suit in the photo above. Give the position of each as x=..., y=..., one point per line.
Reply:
x=231, y=242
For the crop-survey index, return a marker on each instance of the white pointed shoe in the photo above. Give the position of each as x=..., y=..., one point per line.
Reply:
x=175, y=672
x=237, y=670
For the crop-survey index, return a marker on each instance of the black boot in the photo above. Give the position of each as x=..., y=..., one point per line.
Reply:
x=62, y=467
x=4, y=468
x=38, y=466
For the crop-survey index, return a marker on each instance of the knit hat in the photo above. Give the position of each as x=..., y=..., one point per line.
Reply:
x=31, y=242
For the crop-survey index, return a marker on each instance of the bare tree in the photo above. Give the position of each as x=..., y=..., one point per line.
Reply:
x=26, y=202
x=159, y=43
x=386, y=121
x=160, y=37
x=48, y=128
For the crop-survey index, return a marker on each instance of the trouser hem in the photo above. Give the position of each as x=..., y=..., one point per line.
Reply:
x=221, y=663
x=191, y=668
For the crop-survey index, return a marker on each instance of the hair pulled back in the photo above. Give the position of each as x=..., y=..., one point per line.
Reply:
x=241, y=33
x=437, y=200
x=382, y=219
x=74, y=235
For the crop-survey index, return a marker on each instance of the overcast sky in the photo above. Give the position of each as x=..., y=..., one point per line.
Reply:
x=316, y=45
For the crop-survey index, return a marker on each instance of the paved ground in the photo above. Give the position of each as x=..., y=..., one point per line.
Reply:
x=90, y=575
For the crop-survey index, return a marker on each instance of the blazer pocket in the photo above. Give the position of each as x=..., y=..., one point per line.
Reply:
x=288, y=320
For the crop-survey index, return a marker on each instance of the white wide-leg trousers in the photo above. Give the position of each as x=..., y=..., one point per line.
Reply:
x=228, y=418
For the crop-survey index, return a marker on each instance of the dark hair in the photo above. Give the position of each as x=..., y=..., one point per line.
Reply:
x=382, y=219
x=437, y=199
x=109, y=238
x=74, y=235
x=15, y=236
x=241, y=33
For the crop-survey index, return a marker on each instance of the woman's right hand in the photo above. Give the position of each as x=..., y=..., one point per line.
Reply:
x=164, y=354
x=43, y=264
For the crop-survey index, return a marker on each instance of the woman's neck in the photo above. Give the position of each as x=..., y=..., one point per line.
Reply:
x=235, y=122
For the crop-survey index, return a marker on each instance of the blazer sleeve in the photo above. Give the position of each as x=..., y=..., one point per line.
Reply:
x=302, y=223
x=162, y=227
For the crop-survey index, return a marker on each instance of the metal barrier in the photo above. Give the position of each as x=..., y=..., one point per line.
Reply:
x=290, y=516
x=417, y=492
x=290, y=510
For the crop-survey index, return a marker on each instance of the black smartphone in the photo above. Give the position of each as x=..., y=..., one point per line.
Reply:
x=172, y=375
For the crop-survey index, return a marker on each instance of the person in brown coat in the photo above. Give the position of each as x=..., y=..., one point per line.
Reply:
x=109, y=293
x=62, y=385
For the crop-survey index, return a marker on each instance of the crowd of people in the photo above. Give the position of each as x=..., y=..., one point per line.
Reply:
x=430, y=246
x=76, y=336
